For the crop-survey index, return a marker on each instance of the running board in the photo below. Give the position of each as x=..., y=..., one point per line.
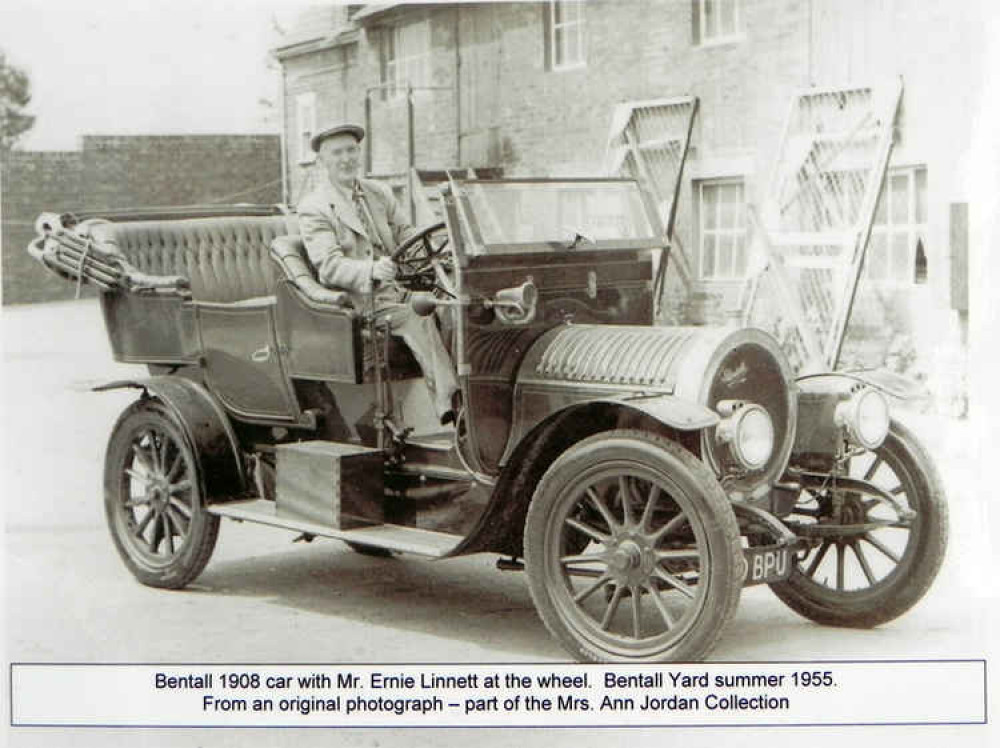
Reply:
x=392, y=537
x=442, y=442
x=427, y=470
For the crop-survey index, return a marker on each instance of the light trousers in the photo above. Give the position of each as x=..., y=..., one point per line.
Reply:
x=424, y=340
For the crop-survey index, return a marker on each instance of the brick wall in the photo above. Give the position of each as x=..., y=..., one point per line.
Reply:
x=534, y=121
x=180, y=170
x=507, y=109
x=114, y=172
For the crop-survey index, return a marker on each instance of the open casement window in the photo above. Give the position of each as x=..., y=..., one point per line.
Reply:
x=404, y=57
x=811, y=229
x=897, y=248
x=722, y=229
x=565, y=37
x=648, y=142
x=305, y=126
x=716, y=21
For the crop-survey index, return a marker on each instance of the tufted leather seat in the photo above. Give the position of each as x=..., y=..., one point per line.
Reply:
x=225, y=259
x=233, y=260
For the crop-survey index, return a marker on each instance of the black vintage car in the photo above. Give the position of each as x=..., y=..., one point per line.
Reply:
x=641, y=475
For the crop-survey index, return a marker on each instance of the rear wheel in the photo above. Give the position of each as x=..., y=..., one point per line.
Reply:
x=153, y=499
x=878, y=538
x=632, y=551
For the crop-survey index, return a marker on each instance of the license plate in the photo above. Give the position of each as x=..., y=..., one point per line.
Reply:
x=767, y=563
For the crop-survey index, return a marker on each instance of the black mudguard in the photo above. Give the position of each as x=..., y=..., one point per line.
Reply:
x=206, y=425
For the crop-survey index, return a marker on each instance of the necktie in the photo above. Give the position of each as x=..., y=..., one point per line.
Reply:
x=361, y=205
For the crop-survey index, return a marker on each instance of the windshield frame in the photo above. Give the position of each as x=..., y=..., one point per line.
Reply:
x=476, y=246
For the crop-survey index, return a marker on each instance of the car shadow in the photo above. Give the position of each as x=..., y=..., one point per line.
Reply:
x=465, y=599
x=468, y=599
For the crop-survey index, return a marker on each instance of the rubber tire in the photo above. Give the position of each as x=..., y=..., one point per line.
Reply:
x=713, y=509
x=204, y=528
x=902, y=588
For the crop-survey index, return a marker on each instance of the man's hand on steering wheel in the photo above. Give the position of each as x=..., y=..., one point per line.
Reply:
x=384, y=270
x=423, y=264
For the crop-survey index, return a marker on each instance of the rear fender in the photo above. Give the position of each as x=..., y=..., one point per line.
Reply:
x=206, y=425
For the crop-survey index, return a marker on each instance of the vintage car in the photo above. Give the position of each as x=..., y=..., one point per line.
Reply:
x=641, y=475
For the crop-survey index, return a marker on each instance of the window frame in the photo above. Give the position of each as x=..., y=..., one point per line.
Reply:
x=578, y=25
x=394, y=69
x=739, y=231
x=304, y=131
x=912, y=229
x=717, y=37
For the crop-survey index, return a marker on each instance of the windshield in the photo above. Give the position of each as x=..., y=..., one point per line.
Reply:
x=512, y=216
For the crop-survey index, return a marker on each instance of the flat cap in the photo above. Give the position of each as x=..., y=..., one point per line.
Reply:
x=345, y=129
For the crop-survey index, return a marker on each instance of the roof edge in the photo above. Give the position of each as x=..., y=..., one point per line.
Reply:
x=370, y=11
x=316, y=44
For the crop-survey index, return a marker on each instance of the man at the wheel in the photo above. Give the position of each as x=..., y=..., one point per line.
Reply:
x=350, y=227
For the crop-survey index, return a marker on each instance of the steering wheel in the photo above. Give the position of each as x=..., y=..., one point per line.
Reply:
x=424, y=262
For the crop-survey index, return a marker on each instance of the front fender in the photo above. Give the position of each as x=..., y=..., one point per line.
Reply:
x=206, y=424
x=888, y=382
x=539, y=402
x=546, y=435
x=818, y=434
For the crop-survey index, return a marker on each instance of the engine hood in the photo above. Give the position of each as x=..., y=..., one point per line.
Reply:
x=627, y=356
x=704, y=365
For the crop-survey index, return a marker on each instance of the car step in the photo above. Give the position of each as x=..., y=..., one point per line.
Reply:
x=393, y=537
x=427, y=470
x=440, y=442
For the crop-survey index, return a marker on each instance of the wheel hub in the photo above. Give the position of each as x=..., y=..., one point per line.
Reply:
x=158, y=493
x=631, y=560
x=626, y=557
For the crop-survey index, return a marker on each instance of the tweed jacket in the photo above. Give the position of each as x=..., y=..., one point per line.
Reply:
x=336, y=239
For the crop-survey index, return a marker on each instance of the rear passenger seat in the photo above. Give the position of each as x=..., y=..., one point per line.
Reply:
x=234, y=260
x=226, y=260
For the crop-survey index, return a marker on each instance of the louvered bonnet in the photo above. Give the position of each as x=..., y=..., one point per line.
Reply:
x=701, y=364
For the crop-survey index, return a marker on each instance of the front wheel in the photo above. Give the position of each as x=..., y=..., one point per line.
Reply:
x=878, y=537
x=632, y=551
x=153, y=499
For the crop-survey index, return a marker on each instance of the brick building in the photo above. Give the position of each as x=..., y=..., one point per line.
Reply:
x=124, y=171
x=529, y=89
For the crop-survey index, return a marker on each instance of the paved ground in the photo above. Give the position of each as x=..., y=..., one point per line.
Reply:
x=263, y=599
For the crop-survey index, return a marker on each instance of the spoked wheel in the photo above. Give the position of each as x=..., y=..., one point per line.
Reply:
x=632, y=551
x=153, y=501
x=878, y=537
